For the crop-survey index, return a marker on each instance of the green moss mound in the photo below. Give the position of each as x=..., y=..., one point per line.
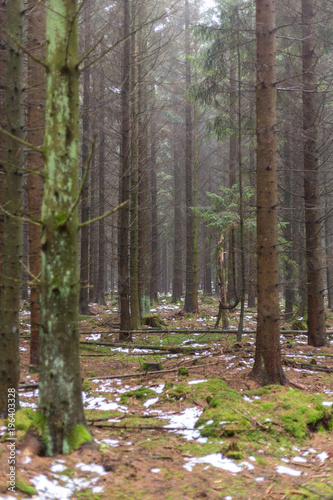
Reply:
x=154, y=321
x=24, y=418
x=78, y=436
x=273, y=409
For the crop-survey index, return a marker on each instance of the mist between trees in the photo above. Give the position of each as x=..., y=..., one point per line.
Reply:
x=150, y=148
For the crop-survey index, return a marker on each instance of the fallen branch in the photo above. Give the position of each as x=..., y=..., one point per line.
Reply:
x=171, y=349
x=307, y=366
x=144, y=374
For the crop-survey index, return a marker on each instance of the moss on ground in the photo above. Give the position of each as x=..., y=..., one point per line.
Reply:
x=25, y=487
x=141, y=394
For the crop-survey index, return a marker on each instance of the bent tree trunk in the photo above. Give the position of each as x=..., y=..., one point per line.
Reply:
x=267, y=365
x=62, y=422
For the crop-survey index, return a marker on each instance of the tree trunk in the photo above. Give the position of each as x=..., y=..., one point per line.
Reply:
x=134, y=287
x=62, y=422
x=188, y=307
x=154, y=219
x=3, y=47
x=177, y=282
x=316, y=310
x=13, y=199
x=123, y=229
x=85, y=210
x=35, y=161
x=143, y=191
x=267, y=366
x=100, y=288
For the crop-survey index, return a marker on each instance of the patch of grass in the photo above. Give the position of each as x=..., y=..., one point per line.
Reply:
x=141, y=394
x=25, y=487
x=86, y=494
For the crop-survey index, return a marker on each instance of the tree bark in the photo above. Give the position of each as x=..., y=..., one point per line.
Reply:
x=62, y=421
x=85, y=209
x=316, y=310
x=100, y=288
x=267, y=365
x=188, y=306
x=124, y=180
x=134, y=287
x=13, y=199
x=35, y=161
x=177, y=282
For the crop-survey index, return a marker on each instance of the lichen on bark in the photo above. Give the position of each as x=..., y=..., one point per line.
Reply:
x=60, y=402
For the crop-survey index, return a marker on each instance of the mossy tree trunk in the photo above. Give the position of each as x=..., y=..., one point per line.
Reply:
x=267, y=365
x=35, y=161
x=62, y=422
x=316, y=310
x=13, y=199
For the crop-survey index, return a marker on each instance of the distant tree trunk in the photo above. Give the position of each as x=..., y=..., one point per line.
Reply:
x=63, y=425
x=100, y=289
x=177, y=282
x=143, y=191
x=267, y=365
x=252, y=290
x=231, y=249
x=207, y=262
x=195, y=174
x=316, y=310
x=35, y=161
x=85, y=209
x=221, y=273
x=134, y=287
x=241, y=207
x=289, y=288
x=13, y=199
x=188, y=172
x=154, y=219
x=123, y=229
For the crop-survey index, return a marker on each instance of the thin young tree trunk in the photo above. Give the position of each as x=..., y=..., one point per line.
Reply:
x=177, y=282
x=188, y=306
x=100, y=288
x=62, y=422
x=154, y=218
x=35, y=161
x=316, y=310
x=123, y=229
x=195, y=175
x=85, y=209
x=13, y=199
x=267, y=365
x=241, y=207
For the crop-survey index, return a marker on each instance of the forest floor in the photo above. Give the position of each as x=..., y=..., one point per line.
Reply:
x=196, y=426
